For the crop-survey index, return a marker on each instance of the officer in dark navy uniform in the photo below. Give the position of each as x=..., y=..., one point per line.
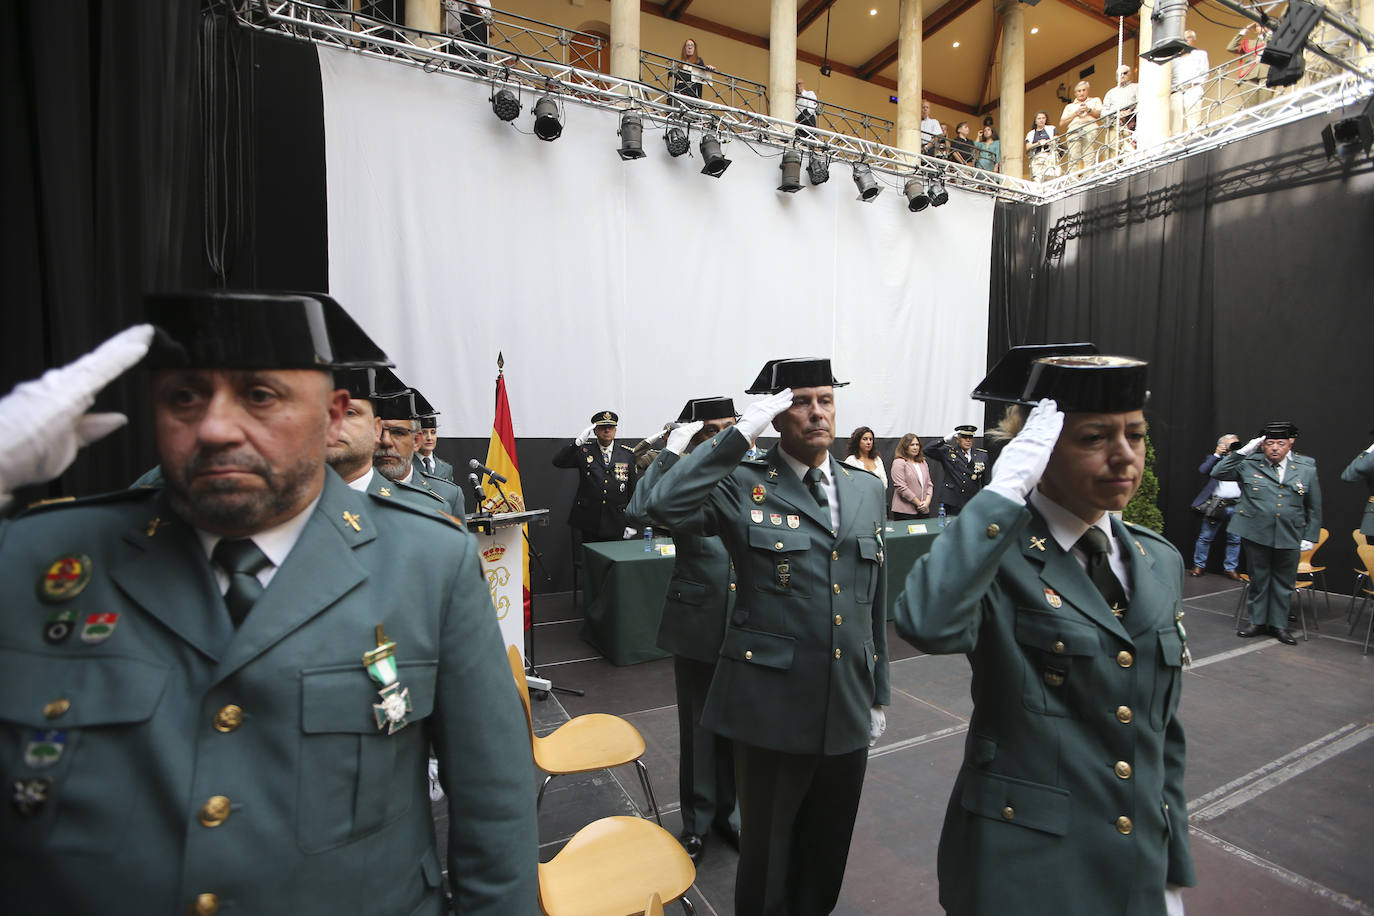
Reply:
x=965, y=468
x=606, y=479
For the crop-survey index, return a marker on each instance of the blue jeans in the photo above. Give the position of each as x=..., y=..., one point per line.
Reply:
x=1208, y=534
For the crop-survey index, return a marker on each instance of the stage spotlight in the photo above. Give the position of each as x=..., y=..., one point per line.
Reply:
x=865, y=182
x=937, y=193
x=1167, y=25
x=631, y=135
x=1350, y=135
x=1288, y=38
x=505, y=105
x=818, y=168
x=675, y=138
x=791, y=171
x=916, y=197
x=546, y=123
x=716, y=163
x=1119, y=8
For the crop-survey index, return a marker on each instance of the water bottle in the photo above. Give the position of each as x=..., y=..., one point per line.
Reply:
x=648, y=539
x=943, y=518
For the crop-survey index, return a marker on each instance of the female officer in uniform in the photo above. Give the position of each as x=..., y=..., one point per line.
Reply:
x=1070, y=798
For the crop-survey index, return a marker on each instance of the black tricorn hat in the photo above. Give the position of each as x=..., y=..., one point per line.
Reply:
x=707, y=409
x=361, y=384
x=1081, y=381
x=396, y=406
x=1279, y=429
x=423, y=409
x=430, y=422
x=808, y=372
x=1007, y=380
x=251, y=329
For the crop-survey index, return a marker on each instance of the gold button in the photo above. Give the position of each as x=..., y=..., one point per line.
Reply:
x=1054, y=678
x=838, y=620
x=994, y=529
x=778, y=545
x=56, y=708
x=1123, y=769
x=732, y=586
x=837, y=653
x=1008, y=813
x=1124, y=825
x=834, y=554
x=748, y=654
x=215, y=811
x=1057, y=648
x=205, y=905
x=837, y=588
x=228, y=718
x=1123, y=714
x=1125, y=659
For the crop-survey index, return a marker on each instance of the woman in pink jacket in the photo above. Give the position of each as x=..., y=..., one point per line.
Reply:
x=911, y=487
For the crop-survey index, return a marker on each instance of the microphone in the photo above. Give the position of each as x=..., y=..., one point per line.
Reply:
x=481, y=468
x=477, y=488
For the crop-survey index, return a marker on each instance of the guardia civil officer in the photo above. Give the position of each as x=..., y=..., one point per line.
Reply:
x=1362, y=469
x=700, y=598
x=426, y=461
x=1278, y=517
x=218, y=696
x=965, y=468
x=802, y=674
x=400, y=414
x=1070, y=799
x=606, y=477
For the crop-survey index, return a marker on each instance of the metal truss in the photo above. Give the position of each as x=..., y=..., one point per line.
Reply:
x=668, y=74
x=549, y=65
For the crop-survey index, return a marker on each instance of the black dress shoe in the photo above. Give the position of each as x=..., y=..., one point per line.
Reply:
x=694, y=845
x=1254, y=629
x=1285, y=637
x=728, y=833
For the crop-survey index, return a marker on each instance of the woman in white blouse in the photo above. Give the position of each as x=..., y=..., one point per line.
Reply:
x=911, y=486
x=862, y=455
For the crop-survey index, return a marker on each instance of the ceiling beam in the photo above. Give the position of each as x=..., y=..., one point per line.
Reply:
x=929, y=26
x=674, y=9
x=705, y=25
x=1092, y=12
x=810, y=11
x=1038, y=81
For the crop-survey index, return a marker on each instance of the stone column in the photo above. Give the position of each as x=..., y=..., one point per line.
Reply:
x=424, y=14
x=625, y=39
x=1012, y=120
x=909, y=38
x=1364, y=15
x=1152, y=108
x=782, y=60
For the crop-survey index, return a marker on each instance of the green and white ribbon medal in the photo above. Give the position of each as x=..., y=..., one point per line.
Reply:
x=381, y=667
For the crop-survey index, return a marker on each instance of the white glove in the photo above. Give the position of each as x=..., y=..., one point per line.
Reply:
x=680, y=438
x=759, y=415
x=1304, y=546
x=659, y=436
x=1173, y=900
x=1023, y=460
x=1370, y=449
x=436, y=791
x=877, y=724
x=629, y=533
x=45, y=420
x=1250, y=446
x=586, y=435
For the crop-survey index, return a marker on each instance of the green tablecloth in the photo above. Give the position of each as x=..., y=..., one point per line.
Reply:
x=622, y=599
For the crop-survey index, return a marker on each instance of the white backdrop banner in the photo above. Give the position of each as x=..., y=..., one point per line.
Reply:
x=631, y=286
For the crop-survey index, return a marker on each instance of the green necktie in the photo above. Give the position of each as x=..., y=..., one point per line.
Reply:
x=242, y=560
x=817, y=488
x=1094, y=544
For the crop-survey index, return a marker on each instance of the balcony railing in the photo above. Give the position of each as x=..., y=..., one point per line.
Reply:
x=691, y=84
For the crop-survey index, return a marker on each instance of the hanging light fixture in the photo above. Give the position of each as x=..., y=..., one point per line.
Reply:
x=546, y=123
x=631, y=136
x=865, y=182
x=675, y=138
x=505, y=105
x=818, y=167
x=716, y=163
x=917, y=199
x=937, y=193
x=791, y=171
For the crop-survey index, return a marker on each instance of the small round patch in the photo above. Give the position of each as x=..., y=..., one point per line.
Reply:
x=65, y=578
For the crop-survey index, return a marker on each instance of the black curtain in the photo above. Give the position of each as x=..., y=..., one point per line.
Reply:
x=1242, y=275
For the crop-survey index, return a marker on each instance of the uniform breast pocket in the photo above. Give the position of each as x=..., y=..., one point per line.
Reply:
x=354, y=778
x=868, y=569
x=1168, y=675
x=776, y=556
x=1058, y=661
x=74, y=748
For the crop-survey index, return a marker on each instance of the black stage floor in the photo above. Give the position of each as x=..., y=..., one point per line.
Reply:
x=1280, y=775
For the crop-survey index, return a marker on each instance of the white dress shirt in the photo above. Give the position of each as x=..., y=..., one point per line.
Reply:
x=1066, y=528
x=275, y=543
x=827, y=484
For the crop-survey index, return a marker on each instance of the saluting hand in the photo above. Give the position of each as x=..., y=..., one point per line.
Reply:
x=45, y=420
x=1250, y=446
x=586, y=435
x=759, y=415
x=1023, y=461
x=680, y=438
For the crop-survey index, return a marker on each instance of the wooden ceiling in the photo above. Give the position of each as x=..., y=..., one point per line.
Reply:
x=1060, y=35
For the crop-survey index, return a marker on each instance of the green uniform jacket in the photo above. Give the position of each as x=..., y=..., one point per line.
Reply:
x=1362, y=468
x=442, y=469
x=327, y=813
x=1074, y=719
x=805, y=653
x=1271, y=513
x=446, y=490
x=701, y=594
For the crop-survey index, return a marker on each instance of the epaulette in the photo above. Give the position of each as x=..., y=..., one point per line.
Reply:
x=1148, y=533
x=62, y=502
x=846, y=468
x=423, y=512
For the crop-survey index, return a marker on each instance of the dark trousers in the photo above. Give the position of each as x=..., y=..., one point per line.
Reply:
x=904, y=516
x=796, y=817
x=1272, y=573
x=706, y=764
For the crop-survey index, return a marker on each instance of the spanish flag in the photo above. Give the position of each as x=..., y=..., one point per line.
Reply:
x=501, y=458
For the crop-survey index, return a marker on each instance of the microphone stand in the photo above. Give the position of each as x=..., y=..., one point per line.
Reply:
x=529, y=639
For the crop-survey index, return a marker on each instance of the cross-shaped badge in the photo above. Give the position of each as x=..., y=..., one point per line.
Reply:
x=1118, y=611
x=385, y=491
x=154, y=525
x=1037, y=543
x=772, y=472
x=352, y=520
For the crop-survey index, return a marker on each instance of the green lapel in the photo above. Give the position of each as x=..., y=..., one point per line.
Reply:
x=170, y=579
x=319, y=571
x=850, y=496
x=1063, y=573
x=1148, y=588
x=789, y=488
